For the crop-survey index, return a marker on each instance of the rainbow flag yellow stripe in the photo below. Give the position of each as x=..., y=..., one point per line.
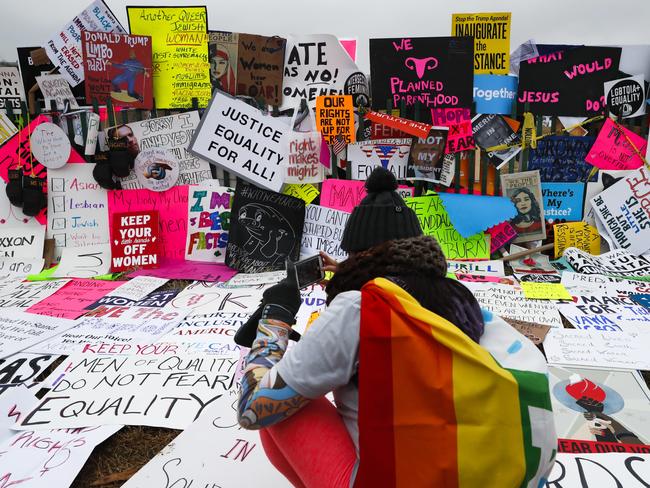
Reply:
x=435, y=408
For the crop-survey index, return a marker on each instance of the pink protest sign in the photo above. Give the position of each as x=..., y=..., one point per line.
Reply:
x=347, y=194
x=172, y=211
x=501, y=234
x=70, y=301
x=188, y=270
x=350, y=46
x=459, y=121
x=613, y=151
x=17, y=150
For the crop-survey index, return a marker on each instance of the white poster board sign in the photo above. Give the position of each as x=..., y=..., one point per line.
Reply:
x=25, y=241
x=20, y=330
x=25, y=294
x=323, y=231
x=202, y=297
x=391, y=154
x=621, y=470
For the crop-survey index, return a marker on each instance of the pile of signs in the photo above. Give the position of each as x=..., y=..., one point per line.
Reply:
x=134, y=248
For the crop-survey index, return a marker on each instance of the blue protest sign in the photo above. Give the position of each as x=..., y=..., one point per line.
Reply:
x=563, y=201
x=495, y=94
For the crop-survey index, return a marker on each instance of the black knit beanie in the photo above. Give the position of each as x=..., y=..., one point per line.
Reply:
x=381, y=216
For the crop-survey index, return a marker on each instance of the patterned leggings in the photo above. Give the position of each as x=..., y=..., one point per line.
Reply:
x=312, y=448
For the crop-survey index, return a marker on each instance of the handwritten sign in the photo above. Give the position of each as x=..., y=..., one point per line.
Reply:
x=132, y=387
x=64, y=48
x=613, y=151
x=22, y=242
x=435, y=222
x=179, y=41
x=188, y=270
x=501, y=235
x=135, y=240
x=391, y=154
x=306, y=192
x=335, y=117
x=70, y=301
x=491, y=33
x=139, y=288
x=206, y=298
x=20, y=330
x=172, y=214
x=241, y=139
x=208, y=223
x=25, y=294
x=482, y=268
x=576, y=234
x=562, y=159
x=545, y=291
x=535, y=332
x=323, y=231
x=22, y=368
x=347, y=194
x=259, y=67
x=459, y=121
x=596, y=470
x=84, y=262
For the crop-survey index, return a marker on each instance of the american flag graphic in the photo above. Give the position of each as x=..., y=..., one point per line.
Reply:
x=339, y=146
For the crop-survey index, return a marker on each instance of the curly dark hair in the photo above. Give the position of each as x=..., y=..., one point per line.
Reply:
x=535, y=213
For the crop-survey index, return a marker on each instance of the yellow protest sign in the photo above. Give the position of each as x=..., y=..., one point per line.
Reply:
x=545, y=291
x=179, y=40
x=435, y=222
x=335, y=116
x=306, y=192
x=576, y=234
x=491, y=32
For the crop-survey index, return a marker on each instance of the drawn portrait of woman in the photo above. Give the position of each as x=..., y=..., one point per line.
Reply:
x=222, y=75
x=529, y=214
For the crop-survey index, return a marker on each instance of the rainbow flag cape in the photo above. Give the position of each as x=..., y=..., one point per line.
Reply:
x=438, y=410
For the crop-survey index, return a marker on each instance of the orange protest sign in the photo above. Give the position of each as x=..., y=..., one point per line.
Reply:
x=335, y=116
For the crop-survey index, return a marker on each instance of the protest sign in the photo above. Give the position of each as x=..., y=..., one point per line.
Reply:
x=485, y=279
x=265, y=230
x=563, y=201
x=562, y=159
x=491, y=33
x=43, y=459
x=253, y=279
x=156, y=169
x=460, y=136
x=84, y=262
x=575, y=234
x=25, y=294
x=495, y=94
x=306, y=192
x=50, y=145
x=598, y=470
x=427, y=161
x=539, y=277
x=596, y=314
x=156, y=299
x=569, y=446
x=70, y=301
x=206, y=298
x=335, y=117
x=594, y=349
x=433, y=71
x=7, y=128
x=118, y=67
x=567, y=81
x=314, y=65
x=137, y=289
x=500, y=235
x=179, y=43
x=347, y=194
x=619, y=263
x=104, y=390
x=229, y=455
x=613, y=151
x=624, y=210
x=474, y=213
x=524, y=189
x=391, y=154
x=626, y=97
x=174, y=269
x=483, y=268
x=435, y=222
x=600, y=406
x=509, y=301
x=172, y=214
x=403, y=127
x=135, y=240
x=20, y=330
x=260, y=60
x=76, y=208
x=22, y=242
x=223, y=50
x=618, y=286
x=302, y=150
x=241, y=139
x=535, y=332
x=64, y=47
x=18, y=268
x=208, y=223
x=323, y=231
x=492, y=130
x=22, y=368
x=544, y=291
x=11, y=93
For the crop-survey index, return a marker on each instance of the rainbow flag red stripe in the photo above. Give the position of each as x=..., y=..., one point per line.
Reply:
x=435, y=408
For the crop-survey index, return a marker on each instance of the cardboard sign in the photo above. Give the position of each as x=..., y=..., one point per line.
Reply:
x=314, y=65
x=567, y=81
x=172, y=214
x=71, y=301
x=626, y=97
x=20, y=330
x=64, y=48
x=76, y=208
x=179, y=45
x=500, y=235
x=208, y=223
x=491, y=33
x=335, y=117
x=223, y=48
x=492, y=130
x=391, y=154
x=495, y=94
x=11, y=93
x=535, y=332
x=562, y=159
x=174, y=133
x=195, y=383
x=241, y=139
x=266, y=228
x=427, y=158
x=135, y=240
x=55, y=88
x=460, y=136
x=435, y=222
x=306, y=192
x=24, y=242
x=563, y=201
x=624, y=210
x=347, y=194
x=118, y=67
x=613, y=151
x=323, y=231
x=259, y=67
x=433, y=71
x=524, y=189
x=575, y=234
